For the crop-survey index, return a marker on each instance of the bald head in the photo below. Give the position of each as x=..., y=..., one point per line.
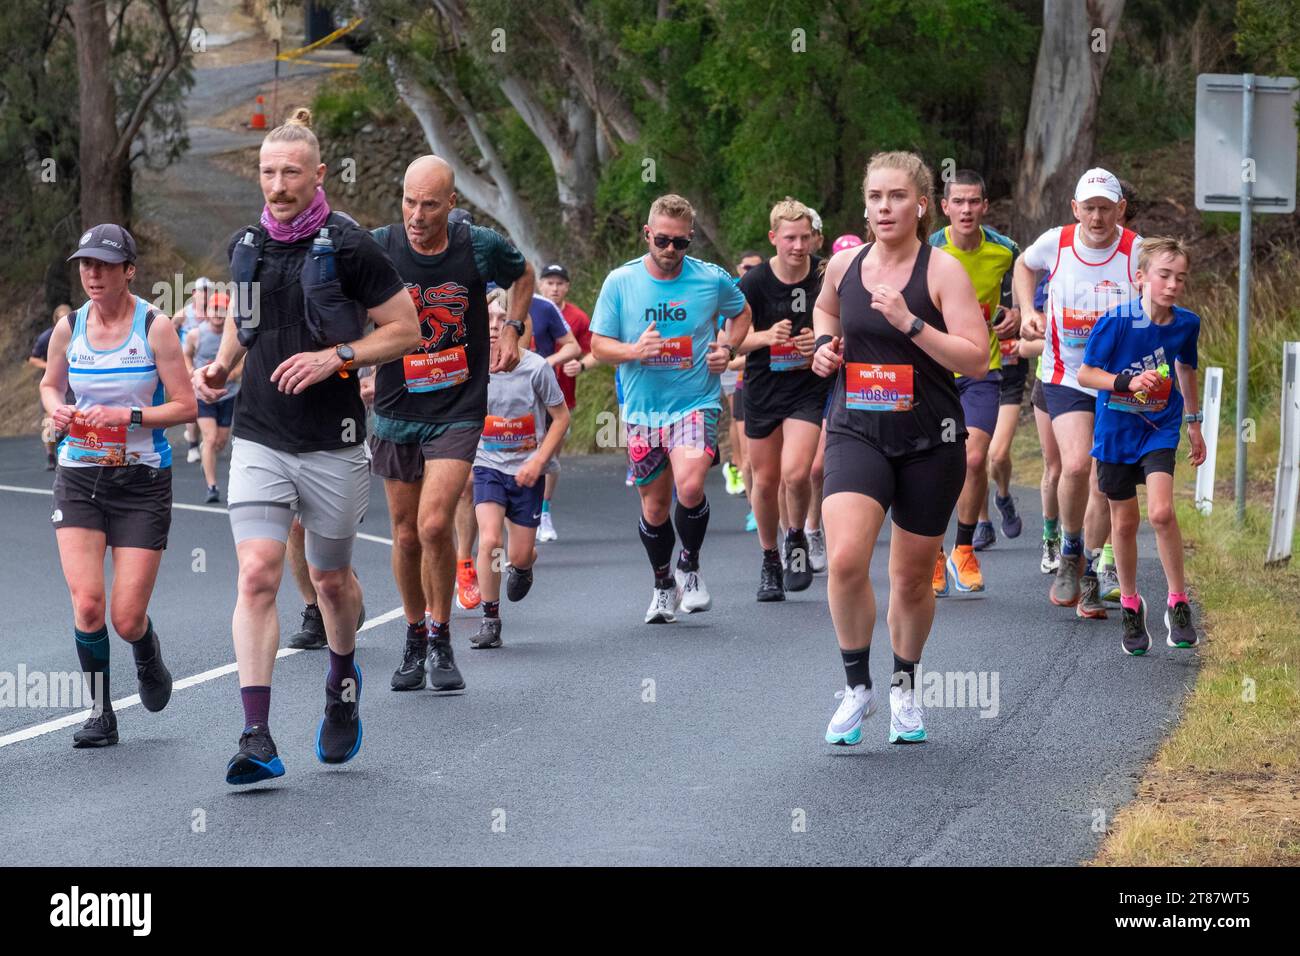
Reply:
x=428, y=196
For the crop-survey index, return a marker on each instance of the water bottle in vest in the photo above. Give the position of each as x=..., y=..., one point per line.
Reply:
x=322, y=256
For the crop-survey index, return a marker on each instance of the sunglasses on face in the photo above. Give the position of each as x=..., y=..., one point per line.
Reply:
x=663, y=242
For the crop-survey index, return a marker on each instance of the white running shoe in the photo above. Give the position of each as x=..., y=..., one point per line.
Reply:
x=856, y=703
x=694, y=595
x=817, y=551
x=663, y=606
x=546, y=531
x=905, y=726
x=193, y=454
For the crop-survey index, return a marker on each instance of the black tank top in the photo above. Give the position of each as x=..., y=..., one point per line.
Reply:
x=890, y=392
x=451, y=300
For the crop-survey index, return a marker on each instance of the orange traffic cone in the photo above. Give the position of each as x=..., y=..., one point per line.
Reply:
x=259, y=116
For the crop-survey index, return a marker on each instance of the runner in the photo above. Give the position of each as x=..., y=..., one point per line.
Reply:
x=1129, y=357
x=430, y=405
x=1047, y=486
x=189, y=318
x=741, y=473
x=300, y=425
x=200, y=347
x=1092, y=265
x=784, y=400
x=525, y=425
x=554, y=341
x=50, y=435
x=555, y=286
x=898, y=317
x=671, y=385
x=987, y=257
x=113, y=487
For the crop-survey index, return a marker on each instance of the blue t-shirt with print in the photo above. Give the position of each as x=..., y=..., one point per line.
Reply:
x=1125, y=339
x=660, y=391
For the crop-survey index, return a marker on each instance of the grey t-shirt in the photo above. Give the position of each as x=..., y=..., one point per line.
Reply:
x=516, y=418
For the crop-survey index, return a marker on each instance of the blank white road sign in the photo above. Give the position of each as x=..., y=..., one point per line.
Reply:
x=1219, y=167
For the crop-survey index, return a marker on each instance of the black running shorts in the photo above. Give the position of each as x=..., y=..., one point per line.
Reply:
x=921, y=488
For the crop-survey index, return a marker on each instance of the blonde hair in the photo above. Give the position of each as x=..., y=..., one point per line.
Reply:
x=1153, y=246
x=916, y=170
x=61, y=310
x=789, y=210
x=672, y=206
x=496, y=296
x=296, y=129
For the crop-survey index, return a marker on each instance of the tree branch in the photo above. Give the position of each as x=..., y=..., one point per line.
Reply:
x=150, y=92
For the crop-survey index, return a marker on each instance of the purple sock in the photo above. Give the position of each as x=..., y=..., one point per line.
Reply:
x=341, y=668
x=257, y=705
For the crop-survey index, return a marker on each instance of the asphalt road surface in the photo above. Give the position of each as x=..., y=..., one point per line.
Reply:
x=561, y=750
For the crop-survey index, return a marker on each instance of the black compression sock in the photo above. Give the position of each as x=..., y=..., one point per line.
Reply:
x=857, y=666
x=659, y=542
x=92, y=652
x=965, y=534
x=904, y=673
x=692, y=523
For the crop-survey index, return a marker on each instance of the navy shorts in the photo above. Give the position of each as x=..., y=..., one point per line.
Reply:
x=1012, y=389
x=1062, y=399
x=979, y=401
x=523, y=505
x=223, y=411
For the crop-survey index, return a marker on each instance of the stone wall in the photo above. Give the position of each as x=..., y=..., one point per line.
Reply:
x=365, y=169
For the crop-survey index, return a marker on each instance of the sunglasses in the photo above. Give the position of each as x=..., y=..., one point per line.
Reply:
x=663, y=242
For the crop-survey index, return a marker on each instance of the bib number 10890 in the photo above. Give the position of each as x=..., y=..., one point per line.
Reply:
x=878, y=388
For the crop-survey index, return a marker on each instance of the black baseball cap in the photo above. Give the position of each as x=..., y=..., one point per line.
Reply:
x=554, y=269
x=460, y=215
x=107, y=242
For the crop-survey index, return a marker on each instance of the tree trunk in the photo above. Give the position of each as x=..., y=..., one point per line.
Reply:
x=1061, y=129
x=103, y=198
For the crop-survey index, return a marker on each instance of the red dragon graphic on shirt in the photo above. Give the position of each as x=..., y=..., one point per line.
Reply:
x=442, y=311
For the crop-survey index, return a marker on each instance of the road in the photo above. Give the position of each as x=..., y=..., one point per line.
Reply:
x=556, y=754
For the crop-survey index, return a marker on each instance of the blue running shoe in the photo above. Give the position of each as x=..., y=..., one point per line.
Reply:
x=751, y=523
x=257, y=759
x=984, y=535
x=338, y=738
x=845, y=727
x=1011, y=523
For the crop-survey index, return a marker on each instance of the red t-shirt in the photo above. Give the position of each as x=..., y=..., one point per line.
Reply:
x=580, y=325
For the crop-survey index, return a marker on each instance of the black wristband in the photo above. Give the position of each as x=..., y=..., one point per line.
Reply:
x=1122, y=381
x=822, y=340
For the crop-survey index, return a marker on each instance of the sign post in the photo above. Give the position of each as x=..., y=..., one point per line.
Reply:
x=1210, y=429
x=1256, y=114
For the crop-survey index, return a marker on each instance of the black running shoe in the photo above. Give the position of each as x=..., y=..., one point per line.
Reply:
x=798, y=571
x=770, y=586
x=339, y=736
x=518, y=583
x=213, y=495
x=154, y=678
x=257, y=759
x=1136, y=640
x=312, y=635
x=489, y=634
x=440, y=668
x=99, y=731
x=410, y=673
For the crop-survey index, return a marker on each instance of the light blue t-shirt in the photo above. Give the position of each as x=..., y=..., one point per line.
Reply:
x=660, y=391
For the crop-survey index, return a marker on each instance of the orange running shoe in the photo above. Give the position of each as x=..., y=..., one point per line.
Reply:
x=467, y=594
x=940, y=577
x=965, y=569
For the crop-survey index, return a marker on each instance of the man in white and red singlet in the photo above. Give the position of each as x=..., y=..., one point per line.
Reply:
x=1091, y=266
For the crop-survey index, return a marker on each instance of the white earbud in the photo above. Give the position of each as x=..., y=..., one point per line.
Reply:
x=919, y=211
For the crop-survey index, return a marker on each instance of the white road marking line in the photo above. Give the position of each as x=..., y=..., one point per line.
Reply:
x=70, y=720
x=59, y=723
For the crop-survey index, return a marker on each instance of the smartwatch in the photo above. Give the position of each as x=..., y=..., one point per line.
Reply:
x=137, y=418
x=516, y=325
x=1193, y=417
x=918, y=324
x=346, y=354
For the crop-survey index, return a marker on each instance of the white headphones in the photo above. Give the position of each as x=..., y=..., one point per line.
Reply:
x=919, y=211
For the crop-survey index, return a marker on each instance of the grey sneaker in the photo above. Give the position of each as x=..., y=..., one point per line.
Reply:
x=1178, y=622
x=817, y=551
x=1136, y=641
x=1090, y=604
x=1065, y=589
x=1109, y=584
x=985, y=536
x=1051, y=556
x=489, y=634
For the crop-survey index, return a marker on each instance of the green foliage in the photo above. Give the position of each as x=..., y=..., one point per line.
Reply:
x=1268, y=35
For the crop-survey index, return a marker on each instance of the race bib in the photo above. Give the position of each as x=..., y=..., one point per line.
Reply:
x=676, y=354
x=878, y=388
x=509, y=434
x=1010, y=349
x=429, y=372
x=787, y=358
x=1147, y=402
x=1076, y=326
x=96, y=446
